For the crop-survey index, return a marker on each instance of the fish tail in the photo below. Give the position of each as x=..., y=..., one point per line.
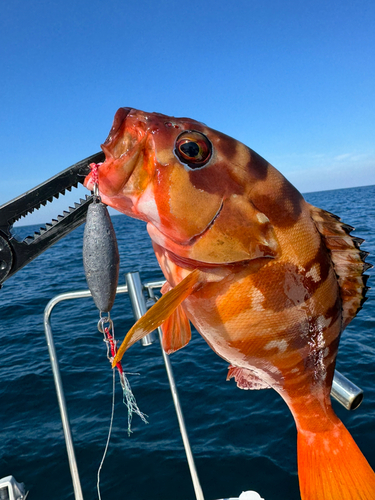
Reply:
x=332, y=467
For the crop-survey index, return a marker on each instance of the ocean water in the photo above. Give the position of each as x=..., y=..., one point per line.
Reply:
x=240, y=439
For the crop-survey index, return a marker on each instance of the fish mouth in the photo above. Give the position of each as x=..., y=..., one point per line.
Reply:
x=123, y=150
x=121, y=140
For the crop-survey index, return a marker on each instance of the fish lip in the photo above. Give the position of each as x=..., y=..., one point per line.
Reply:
x=122, y=138
x=127, y=160
x=118, y=120
x=129, y=154
x=128, y=144
x=122, y=150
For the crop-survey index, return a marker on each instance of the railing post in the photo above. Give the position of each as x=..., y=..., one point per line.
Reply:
x=62, y=403
x=135, y=290
x=180, y=416
x=137, y=300
x=345, y=392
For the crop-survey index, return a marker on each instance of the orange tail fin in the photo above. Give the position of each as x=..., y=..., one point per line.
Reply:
x=332, y=467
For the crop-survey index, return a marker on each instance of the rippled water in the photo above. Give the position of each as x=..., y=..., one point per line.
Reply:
x=241, y=439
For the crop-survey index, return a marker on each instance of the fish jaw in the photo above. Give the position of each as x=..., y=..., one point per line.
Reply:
x=124, y=149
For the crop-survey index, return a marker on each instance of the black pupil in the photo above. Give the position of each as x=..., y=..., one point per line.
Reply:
x=190, y=149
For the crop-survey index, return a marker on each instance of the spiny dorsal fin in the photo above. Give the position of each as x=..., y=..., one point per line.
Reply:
x=348, y=260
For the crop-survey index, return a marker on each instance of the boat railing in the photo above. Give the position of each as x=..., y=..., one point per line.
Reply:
x=347, y=393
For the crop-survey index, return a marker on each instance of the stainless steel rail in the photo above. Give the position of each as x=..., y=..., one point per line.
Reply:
x=58, y=382
x=347, y=393
x=135, y=289
x=137, y=299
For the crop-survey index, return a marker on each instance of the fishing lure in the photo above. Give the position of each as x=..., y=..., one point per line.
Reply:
x=101, y=263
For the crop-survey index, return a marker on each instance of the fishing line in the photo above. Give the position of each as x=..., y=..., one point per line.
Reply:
x=109, y=435
x=101, y=263
x=128, y=396
x=130, y=401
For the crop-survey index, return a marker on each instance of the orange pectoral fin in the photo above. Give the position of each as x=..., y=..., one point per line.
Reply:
x=176, y=331
x=161, y=311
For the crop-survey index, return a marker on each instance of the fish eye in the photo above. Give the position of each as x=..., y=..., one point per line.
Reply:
x=193, y=148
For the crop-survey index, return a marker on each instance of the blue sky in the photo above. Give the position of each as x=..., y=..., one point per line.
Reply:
x=294, y=80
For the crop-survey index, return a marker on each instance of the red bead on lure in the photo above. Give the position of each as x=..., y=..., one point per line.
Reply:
x=268, y=280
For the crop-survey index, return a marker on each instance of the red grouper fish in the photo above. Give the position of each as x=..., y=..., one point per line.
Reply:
x=267, y=279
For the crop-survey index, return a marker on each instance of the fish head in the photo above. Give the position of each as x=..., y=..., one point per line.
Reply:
x=142, y=169
x=196, y=187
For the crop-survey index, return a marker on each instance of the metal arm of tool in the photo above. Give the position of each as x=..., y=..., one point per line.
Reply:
x=15, y=254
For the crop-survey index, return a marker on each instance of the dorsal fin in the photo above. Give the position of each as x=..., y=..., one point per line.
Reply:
x=348, y=260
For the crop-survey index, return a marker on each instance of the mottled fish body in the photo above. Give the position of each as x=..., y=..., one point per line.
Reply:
x=267, y=279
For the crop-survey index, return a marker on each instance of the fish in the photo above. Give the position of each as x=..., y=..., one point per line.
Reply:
x=267, y=279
